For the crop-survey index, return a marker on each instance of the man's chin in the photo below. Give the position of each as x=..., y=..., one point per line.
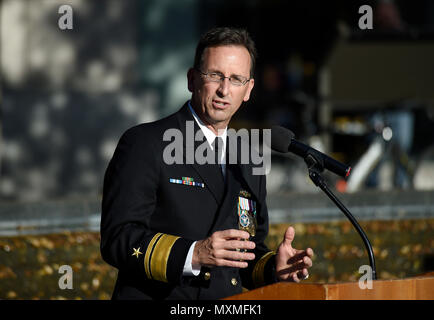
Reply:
x=219, y=115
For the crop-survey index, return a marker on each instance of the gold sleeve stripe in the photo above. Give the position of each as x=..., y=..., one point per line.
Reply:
x=258, y=270
x=148, y=254
x=160, y=256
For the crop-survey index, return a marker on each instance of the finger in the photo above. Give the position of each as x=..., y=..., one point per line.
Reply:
x=233, y=234
x=307, y=262
x=303, y=275
x=289, y=272
x=236, y=245
x=237, y=255
x=296, y=267
x=300, y=255
x=289, y=236
x=308, y=251
x=232, y=264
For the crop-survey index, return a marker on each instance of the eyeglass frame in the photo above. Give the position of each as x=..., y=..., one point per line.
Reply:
x=222, y=78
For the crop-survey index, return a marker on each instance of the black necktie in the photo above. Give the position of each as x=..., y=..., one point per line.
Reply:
x=218, y=149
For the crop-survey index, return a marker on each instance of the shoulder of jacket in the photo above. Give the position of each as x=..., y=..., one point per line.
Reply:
x=150, y=131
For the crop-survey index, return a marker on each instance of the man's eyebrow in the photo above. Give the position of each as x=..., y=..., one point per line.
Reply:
x=214, y=71
x=232, y=75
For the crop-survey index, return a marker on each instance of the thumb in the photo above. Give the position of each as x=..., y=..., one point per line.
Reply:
x=289, y=236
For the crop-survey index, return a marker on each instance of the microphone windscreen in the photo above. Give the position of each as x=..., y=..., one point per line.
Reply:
x=281, y=138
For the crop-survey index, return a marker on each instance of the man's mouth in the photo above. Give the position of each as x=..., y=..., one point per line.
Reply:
x=220, y=104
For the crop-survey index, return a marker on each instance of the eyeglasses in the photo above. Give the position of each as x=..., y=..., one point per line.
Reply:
x=219, y=77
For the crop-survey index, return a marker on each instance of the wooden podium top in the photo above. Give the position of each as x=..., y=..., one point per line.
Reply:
x=418, y=288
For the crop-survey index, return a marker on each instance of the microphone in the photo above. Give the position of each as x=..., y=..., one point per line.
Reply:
x=282, y=140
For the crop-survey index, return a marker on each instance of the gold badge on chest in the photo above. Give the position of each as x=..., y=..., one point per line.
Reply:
x=247, y=213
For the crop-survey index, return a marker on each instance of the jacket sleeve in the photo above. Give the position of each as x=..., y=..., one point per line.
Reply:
x=261, y=271
x=129, y=200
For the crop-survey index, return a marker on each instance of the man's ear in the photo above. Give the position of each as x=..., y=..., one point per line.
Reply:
x=250, y=85
x=190, y=79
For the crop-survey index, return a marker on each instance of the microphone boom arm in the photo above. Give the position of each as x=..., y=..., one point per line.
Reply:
x=315, y=168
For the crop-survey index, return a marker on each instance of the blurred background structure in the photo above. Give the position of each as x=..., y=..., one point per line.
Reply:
x=363, y=96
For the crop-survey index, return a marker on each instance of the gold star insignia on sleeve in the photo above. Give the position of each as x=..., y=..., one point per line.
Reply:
x=136, y=252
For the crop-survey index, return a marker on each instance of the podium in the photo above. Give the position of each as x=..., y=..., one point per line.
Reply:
x=417, y=288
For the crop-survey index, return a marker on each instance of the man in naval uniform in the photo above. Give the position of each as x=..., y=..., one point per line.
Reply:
x=182, y=230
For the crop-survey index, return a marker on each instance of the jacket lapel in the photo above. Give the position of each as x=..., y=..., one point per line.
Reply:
x=210, y=173
x=236, y=175
x=230, y=200
x=246, y=170
x=246, y=173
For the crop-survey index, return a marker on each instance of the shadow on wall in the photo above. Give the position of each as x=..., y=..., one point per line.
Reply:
x=68, y=95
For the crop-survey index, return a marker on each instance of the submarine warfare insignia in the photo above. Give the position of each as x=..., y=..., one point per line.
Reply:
x=245, y=194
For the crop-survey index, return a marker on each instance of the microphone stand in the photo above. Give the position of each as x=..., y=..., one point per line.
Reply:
x=315, y=166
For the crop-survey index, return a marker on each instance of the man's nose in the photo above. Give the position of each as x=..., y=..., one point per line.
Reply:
x=224, y=87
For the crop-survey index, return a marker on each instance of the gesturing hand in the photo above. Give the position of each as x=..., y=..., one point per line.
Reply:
x=292, y=264
x=220, y=249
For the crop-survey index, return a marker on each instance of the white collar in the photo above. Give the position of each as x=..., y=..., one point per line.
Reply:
x=210, y=136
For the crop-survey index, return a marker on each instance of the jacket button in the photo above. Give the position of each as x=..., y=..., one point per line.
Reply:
x=207, y=276
x=234, y=281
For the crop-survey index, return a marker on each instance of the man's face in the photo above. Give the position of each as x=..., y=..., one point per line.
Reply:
x=216, y=102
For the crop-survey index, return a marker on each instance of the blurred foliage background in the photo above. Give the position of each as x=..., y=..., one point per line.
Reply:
x=30, y=268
